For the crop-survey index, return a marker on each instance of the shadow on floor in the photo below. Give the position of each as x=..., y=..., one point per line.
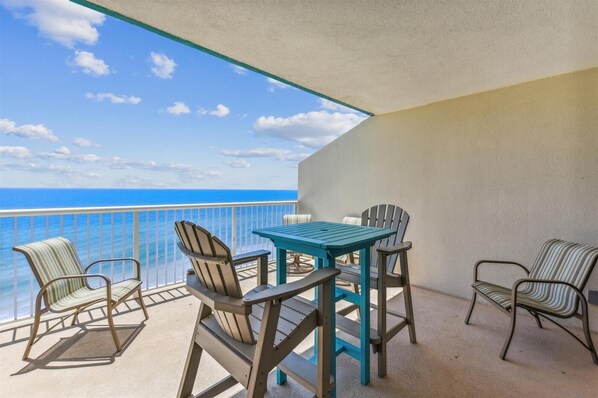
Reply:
x=91, y=346
x=18, y=333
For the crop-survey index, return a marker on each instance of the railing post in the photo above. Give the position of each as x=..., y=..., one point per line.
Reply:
x=136, y=235
x=234, y=231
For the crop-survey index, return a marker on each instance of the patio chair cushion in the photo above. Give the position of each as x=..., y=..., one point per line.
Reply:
x=87, y=296
x=51, y=259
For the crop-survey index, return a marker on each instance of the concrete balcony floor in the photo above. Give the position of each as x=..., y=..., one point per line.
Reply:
x=449, y=360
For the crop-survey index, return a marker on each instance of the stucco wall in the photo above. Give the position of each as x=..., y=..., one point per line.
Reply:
x=491, y=175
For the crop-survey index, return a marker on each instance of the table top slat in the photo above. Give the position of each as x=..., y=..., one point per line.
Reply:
x=324, y=234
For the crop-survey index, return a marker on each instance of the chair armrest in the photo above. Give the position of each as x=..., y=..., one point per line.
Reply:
x=109, y=260
x=389, y=250
x=104, y=277
x=477, y=265
x=287, y=290
x=248, y=257
x=261, y=256
x=216, y=301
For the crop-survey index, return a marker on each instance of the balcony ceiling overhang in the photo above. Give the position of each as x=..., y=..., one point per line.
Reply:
x=382, y=56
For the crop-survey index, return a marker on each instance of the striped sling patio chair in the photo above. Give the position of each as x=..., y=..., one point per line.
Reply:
x=553, y=288
x=298, y=263
x=64, y=284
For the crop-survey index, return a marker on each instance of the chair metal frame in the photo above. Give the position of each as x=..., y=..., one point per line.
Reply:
x=110, y=304
x=535, y=311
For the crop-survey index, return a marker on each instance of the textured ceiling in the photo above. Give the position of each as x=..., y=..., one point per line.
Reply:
x=383, y=56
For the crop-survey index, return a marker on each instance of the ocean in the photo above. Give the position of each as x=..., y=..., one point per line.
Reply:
x=38, y=198
x=108, y=235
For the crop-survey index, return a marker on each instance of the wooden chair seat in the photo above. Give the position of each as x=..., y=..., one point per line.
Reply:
x=351, y=273
x=298, y=318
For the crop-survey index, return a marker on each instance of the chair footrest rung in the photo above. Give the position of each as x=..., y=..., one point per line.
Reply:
x=352, y=328
x=217, y=388
x=303, y=371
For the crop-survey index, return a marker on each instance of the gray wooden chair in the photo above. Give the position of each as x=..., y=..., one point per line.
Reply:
x=252, y=334
x=384, y=273
x=298, y=263
x=553, y=287
x=64, y=284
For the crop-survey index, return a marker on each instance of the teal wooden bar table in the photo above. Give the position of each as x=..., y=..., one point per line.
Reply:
x=326, y=241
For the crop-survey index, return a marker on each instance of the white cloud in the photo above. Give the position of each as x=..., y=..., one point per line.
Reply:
x=220, y=111
x=115, y=99
x=117, y=162
x=60, y=169
x=239, y=164
x=275, y=84
x=62, y=151
x=59, y=20
x=19, y=152
x=163, y=67
x=89, y=158
x=262, y=152
x=239, y=70
x=179, y=108
x=333, y=106
x=89, y=64
x=83, y=142
x=31, y=131
x=312, y=129
x=140, y=182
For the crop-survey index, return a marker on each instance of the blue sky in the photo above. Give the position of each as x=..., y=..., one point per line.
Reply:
x=87, y=100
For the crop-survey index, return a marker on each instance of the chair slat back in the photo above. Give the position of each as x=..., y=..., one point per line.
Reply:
x=386, y=216
x=215, y=270
x=50, y=259
x=562, y=261
x=289, y=219
x=352, y=220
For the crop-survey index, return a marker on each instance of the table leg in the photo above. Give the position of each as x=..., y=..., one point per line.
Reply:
x=318, y=263
x=331, y=262
x=364, y=305
x=281, y=278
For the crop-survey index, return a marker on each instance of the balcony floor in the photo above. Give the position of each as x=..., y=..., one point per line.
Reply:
x=450, y=359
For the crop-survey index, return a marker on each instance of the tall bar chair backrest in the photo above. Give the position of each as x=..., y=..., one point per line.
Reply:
x=213, y=264
x=386, y=216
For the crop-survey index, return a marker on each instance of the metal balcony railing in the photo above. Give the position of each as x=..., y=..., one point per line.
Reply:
x=143, y=232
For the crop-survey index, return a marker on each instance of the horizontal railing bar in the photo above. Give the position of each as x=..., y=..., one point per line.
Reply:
x=102, y=232
x=120, y=209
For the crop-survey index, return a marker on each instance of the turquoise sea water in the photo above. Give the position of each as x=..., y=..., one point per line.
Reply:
x=109, y=235
x=35, y=198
